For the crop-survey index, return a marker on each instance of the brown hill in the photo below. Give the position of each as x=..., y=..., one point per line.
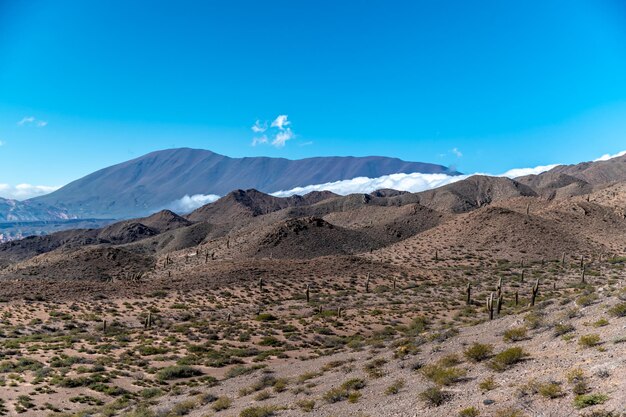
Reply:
x=242, y=205
x=472, y=193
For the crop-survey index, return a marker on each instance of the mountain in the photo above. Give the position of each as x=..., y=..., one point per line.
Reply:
x=21, y=211
x=156, y=180
x=579, y=179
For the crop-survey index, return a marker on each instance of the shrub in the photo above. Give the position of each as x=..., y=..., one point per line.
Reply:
x=469, y=412
x=587, y=400
x=335, y=395
x=515, y=334
x=265, y=411
x=306, y=405
x=589, y=340
x=507, y=358
x=487, y=384
x=601, y=322
x=478, y=352
x=353, y=384
x=442, y=375
x=177, y=372
x=561, y=329
x=395, y=388
x=265, y=317
x=550, y=390
x=434, y=396
x=222, y=403
x=618, y=310
x=586, y=300
x=508, y=412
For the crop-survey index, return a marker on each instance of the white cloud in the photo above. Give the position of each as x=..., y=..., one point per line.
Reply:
x=25, y=191
x=520, y=172
x=414, y=182
x=190, y=203
x=258, y=127
x=607, y=156
x=27, y=120
x=259, y=140
x=456, y=152
x=282, y=137
x=276, y=135
x=281, y=122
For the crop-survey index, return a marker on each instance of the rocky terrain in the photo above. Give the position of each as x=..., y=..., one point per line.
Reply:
x=485, y=297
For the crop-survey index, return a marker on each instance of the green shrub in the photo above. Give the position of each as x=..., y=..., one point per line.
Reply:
x=487, y=384
x=561, y=329
x=618, y=310
x=589, y=340
x=265, y=411
x=587, y=400
x=469, y=412
x=306, y=405
x=507, y=358
x=395, y=388
x=222, y=403
x=478, y=352
x=434, y=396
x=177, y=372
x=550, y=390
x=515, y=334
x=442, y=375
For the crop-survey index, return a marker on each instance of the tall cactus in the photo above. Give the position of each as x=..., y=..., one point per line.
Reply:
x=468, y=300
x=490, y=306
x=535, y=292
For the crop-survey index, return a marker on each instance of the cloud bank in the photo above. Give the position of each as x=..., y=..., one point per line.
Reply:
x=607, y=156
x=414, y=182
x=25, y=191
x=190, y=203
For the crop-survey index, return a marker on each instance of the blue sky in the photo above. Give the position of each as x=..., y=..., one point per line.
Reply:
x=86, y=84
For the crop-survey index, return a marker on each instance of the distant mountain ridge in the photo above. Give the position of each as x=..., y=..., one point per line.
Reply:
x=17, y=211
x=154, y=181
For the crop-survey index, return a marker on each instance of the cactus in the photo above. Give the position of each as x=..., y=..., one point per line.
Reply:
x=261, y=284
x=500, y=302
x=516, y=298
x=436, y=255
x=582, y=261
x=367, y=283
x=528, y=209
x=563, y=260
x=394, y=283
x=206, y=258
x=104, y=325
x=148, y=322
x=521, y=279
x=490, y=306
x=308, y=289
x=338, y=311
x=535, y=292
x=582, y=276
x=468, y=301
x=228, y=317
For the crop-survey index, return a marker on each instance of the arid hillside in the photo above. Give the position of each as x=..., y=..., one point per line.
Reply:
x=486, y=297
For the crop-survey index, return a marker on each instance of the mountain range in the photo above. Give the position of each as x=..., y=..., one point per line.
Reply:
x=541, y=215
x=155, y=181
